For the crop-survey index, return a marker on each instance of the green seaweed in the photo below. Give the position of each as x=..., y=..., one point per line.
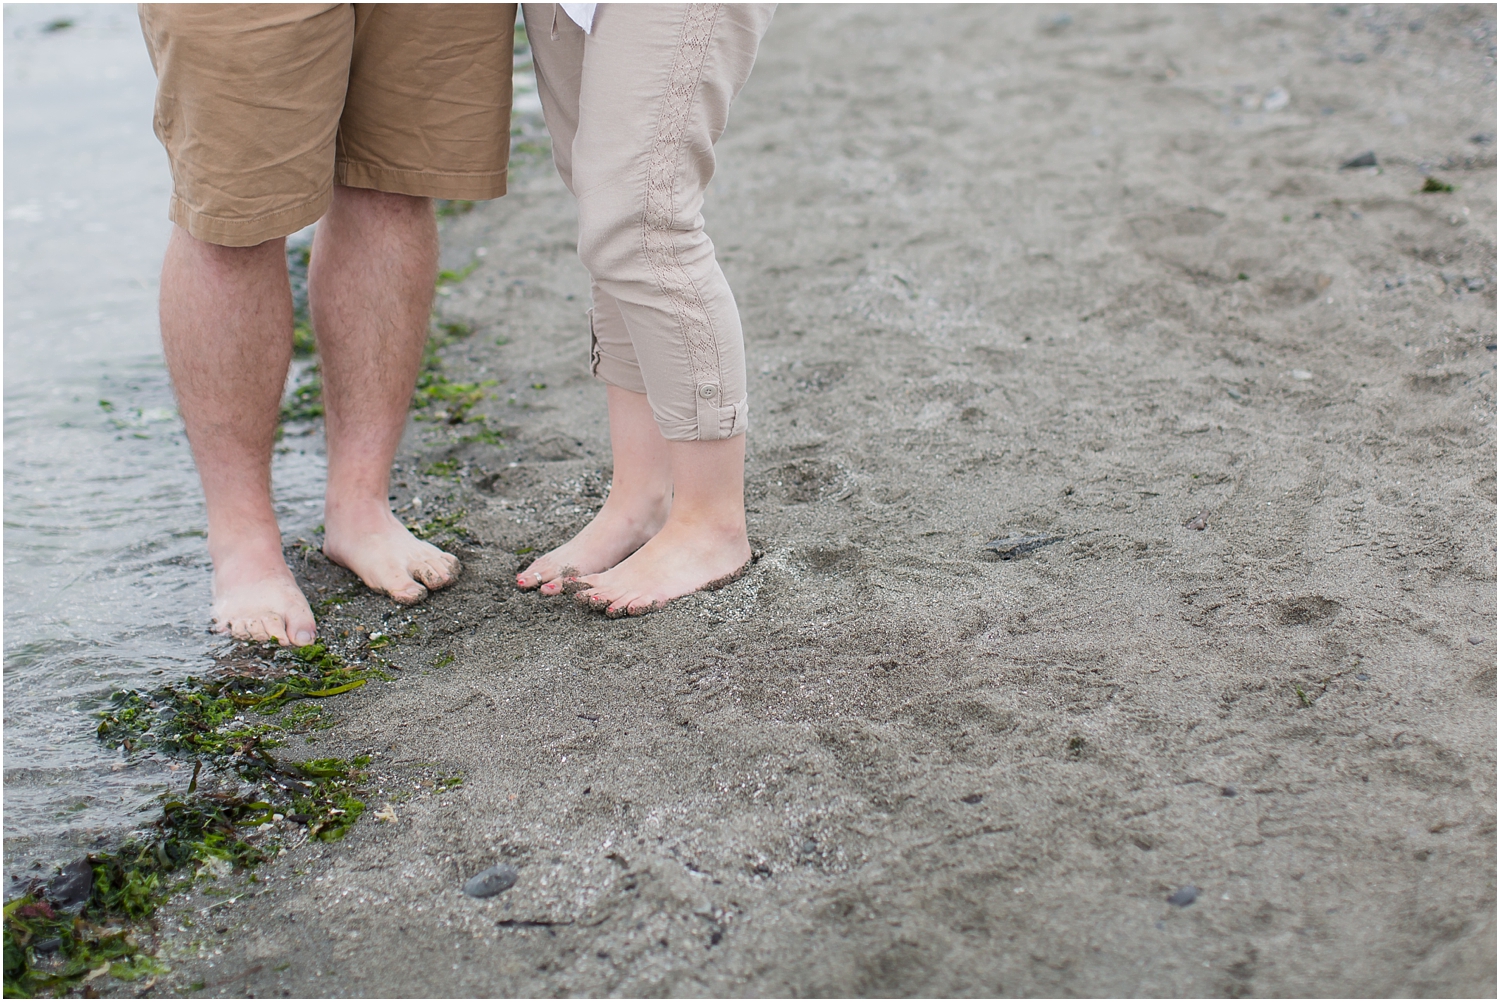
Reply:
x=205, y=717
x=444, y=468
x=438, y=525
x=199, y=835
x=484, y=433
x=450, y=276
x=444, y=400
x=304, y=345
x=305, y=403
x=329, y=603
x=1433, y=184
x=447, y=208
x=438, y=398
x=298, y=261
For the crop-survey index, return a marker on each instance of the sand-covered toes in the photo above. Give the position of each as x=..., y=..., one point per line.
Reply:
x=390, y=560
x=270, y=607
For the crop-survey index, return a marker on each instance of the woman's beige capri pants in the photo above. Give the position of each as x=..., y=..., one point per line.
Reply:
x=634, y=109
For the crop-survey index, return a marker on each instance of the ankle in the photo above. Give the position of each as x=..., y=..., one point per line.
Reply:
x=355, y=514
x=727, y=525
x=642, y=503
x=250, y=544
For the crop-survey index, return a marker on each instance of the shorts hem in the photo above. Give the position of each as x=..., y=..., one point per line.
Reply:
x=250, y=231
x=424, y=184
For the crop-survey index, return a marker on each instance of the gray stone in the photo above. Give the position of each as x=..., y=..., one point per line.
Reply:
x=1183, y=896
x=69, y=891
x=488, y=883
x=1011, y=547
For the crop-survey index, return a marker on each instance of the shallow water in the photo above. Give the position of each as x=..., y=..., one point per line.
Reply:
x=106, y=573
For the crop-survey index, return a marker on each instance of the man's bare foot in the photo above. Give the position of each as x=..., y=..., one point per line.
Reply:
x=256, y=598
x=622, y=526
x=387, y=557
x=683, y=558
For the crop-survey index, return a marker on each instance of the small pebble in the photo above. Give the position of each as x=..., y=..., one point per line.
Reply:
x=1230, y=791
x=973, y=798
x=1183, y=896
x=1013, y=546
x=488, y=883
x=1277, y=99
x=1301, y=374
x=1363, y=160
x=1362, y=677
x=809, y=847
x=1476, y=640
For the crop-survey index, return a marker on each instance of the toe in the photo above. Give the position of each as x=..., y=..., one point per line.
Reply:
x=302, y=629
x=527, y=580
x=435, y=575
x=253, y=630
x=409, y=593
x=641, y=606
x=552, y=588
x=276, y=630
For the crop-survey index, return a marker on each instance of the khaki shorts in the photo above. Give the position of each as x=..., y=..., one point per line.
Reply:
x=264, y=107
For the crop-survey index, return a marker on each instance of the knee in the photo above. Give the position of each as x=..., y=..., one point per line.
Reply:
x=609, y=241
x=224, y=257
x=619, y=246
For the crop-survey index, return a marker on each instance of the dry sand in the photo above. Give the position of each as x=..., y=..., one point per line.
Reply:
x=1002, y=271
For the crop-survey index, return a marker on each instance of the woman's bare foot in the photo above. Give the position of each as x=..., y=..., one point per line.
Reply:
x=256, y=598
x=636, y=509
x=703, y=544
x=683, y=558
x=386, y=556
x=622, y=526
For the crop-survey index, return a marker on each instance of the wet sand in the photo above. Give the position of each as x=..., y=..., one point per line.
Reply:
x=1003, y=272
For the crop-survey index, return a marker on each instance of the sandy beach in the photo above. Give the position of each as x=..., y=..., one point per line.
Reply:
x=1088, y=280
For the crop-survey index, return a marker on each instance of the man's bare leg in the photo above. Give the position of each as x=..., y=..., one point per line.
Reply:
x=640, y=494
x=703, y=543
x=370, y=283
x=226, y=321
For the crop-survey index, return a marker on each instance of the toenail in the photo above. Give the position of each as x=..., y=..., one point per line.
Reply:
x=304, y=637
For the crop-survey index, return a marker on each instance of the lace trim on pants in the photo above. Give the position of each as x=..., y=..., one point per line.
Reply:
x=661, y=189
